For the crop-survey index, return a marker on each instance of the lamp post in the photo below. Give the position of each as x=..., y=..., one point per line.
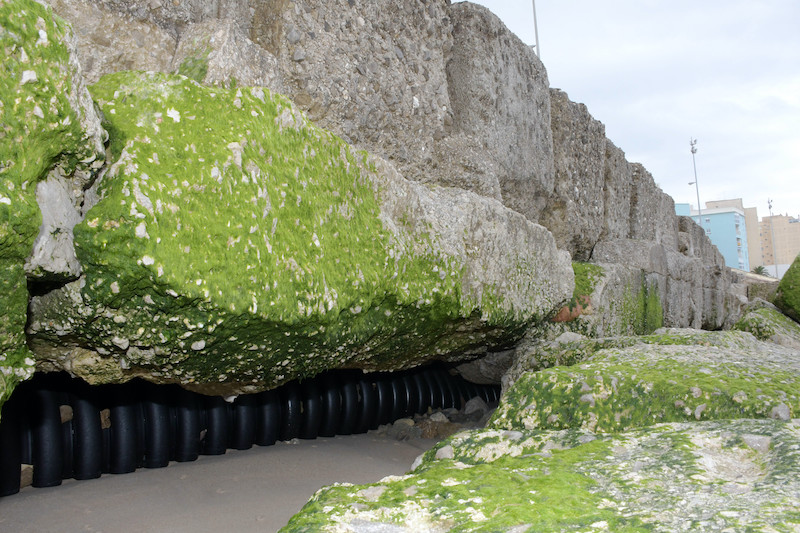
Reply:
x=772, y=236
x=536, y=30
x=693, y=144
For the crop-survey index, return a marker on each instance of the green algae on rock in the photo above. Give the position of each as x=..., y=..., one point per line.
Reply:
x=671, y=376
x=768, y=324
x=586, y=277
x=609, y=299
x=703, y=476
x=44, y=122
x=788, y=296
x=236, y=245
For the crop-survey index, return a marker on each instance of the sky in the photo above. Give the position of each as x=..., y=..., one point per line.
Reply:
x=660, y=73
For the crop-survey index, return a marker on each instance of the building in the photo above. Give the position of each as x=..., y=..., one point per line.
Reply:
x=751, y=222
x=753, y=237
x=780, y=243
x=773, y=243
x=725, y=224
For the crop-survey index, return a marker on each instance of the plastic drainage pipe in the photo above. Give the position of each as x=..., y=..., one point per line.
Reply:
x=385, y=399
x=67, y=448
x=495, y=393
x=450, y=391
x=87, y=437
x=312, y=409
x=187, y=426
x=348, y=420
x=292, y=415
x=216, y=438
x=460, y=386
x=471, y=390
x=412, y=395
x=124, y=443
x=46, y=439
x=150, y=425
x=11, y=446
x=437, y=391
x=268, y=418
x=486, y=392
x=424, y=396
x=399, y=397
x=157, y=422
x=243, y=434
x=367, y=406
x=331, y=405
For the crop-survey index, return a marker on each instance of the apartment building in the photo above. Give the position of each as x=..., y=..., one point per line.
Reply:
x=725, y=224
x=780, y=242
x=744, y=241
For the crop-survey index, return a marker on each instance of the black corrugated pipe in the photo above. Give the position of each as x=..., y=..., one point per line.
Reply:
x=64, y=428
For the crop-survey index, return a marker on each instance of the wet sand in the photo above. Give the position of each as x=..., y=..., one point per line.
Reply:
x=243, y=491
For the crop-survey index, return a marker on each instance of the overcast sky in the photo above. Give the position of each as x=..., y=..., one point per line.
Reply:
x=658, y=73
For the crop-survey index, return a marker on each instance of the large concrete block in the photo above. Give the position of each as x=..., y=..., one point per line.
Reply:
x=617, y=194
x=242, y=247
x=499, y=96
x=575, y=211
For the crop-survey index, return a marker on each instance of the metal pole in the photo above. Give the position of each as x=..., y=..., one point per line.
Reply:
x=536, y=30
x=772, y=234
x=693, y=144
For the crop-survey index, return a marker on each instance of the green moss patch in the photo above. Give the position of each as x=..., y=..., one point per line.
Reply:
x=586, y=277
x=641, y=312
x=195, y=66
x=745, y=473
x=788, y=296
x=768, y=324
x=236, y=242
x=673, y=376
x=39, y=129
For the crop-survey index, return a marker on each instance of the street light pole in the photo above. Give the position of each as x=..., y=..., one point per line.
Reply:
x=536, y=30
x=693, y=144
x=772, y=235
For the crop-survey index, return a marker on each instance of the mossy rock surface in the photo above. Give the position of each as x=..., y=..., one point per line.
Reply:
x=42, y=125
x=673, y=375
x=740, y=475
x=236, y=243
x=768, y=324
x=788, y=295
x=608, y=300
x=586, y=277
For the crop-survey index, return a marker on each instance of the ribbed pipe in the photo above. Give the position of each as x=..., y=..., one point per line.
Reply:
x=119, y=428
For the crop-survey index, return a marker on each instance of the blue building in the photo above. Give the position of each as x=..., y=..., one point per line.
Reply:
x=726, y=227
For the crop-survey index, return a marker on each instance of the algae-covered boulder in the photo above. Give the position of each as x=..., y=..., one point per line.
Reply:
x=741, y=475
x=47, y=122
x=788, y=296
x=671, y=376
x=768, y=324
x=237, y=246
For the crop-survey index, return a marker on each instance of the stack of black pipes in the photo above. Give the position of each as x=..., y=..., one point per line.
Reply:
x=68, y=429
